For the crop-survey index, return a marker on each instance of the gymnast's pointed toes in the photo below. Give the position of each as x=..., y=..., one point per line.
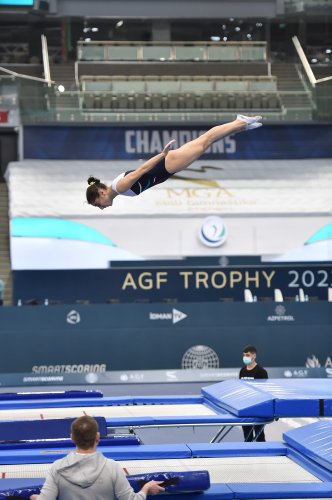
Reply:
x=250, y=121
x=251, y=126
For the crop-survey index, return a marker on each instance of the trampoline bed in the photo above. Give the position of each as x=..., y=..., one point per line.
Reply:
x=131, y=412
x=298, y=467
x=225, y=405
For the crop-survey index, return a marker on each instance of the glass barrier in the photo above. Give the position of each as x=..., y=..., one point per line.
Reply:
x=203, y=107
x=92, y=52
x=157, y=53
x=322, y=94
x=200, y=51
x=145, y=102
x=302, y=5
x=8, y=92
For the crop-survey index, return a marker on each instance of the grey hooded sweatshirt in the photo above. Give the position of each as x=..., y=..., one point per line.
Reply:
x=87, y=477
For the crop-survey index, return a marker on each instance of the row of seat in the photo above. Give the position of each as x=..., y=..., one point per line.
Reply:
x=170, y=84
x=177, y=101
x=107, y=51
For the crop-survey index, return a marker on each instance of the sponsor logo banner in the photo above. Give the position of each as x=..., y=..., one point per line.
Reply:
x=185, y=284
x=73, y=317
x=93, y=143
x=78, y=368
x=153, y=376
x=175, y=316
x=280, y=315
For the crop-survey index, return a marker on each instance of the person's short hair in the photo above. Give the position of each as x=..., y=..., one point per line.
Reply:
x=84, y=431
x=250, y=348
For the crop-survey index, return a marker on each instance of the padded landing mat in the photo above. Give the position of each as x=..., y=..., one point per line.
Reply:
x=273, y=398
x=314, y=441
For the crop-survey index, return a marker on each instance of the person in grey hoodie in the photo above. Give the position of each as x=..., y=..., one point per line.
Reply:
x=86, y=474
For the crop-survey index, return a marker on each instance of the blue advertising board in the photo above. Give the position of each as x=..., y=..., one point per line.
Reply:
x=183, y=284
x=282, y=141
x=96, y=338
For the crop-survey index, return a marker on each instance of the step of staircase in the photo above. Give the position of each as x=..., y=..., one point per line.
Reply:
x=288, y=80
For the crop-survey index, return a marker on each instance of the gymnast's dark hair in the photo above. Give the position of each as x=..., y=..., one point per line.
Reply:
x=92, y=190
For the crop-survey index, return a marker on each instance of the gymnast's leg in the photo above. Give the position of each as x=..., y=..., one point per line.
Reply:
x=179, y=159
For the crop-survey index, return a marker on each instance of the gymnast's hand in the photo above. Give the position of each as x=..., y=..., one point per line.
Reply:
x=168, y=147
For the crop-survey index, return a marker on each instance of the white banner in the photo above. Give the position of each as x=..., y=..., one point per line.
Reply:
x=57, y=189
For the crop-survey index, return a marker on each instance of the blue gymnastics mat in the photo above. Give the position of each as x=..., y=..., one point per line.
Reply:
x=307, y=449
x=273, y=398
x=314, y=441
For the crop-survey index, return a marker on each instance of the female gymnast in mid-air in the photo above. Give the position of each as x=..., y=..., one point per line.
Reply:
x=165, y=164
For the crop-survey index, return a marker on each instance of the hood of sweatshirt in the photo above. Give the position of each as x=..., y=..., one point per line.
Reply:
x=82, y=470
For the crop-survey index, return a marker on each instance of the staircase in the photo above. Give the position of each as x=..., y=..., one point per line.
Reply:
x=63, y=74
x=5, y=269
x=298, y=104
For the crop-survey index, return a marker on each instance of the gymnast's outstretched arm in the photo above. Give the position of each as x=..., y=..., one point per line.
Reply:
x=126, y=182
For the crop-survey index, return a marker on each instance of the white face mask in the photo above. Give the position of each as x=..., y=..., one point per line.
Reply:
x=247, y=360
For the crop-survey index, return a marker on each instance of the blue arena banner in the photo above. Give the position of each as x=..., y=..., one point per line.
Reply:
x=180, y=284
x=80, y=339
x=282, y=141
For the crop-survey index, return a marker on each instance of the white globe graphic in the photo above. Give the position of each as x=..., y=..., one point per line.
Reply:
x=200, y=357
x=91, y=378
x=212, y=231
